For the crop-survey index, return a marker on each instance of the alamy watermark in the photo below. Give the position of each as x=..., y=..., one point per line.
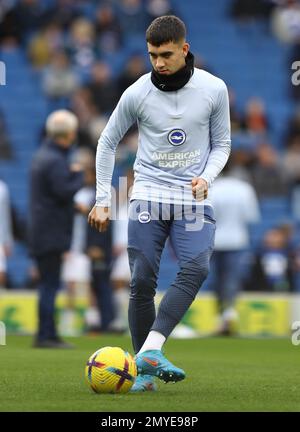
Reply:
x=296, y=333
x=296, y=75
x=158, y=204
x=2, y=74
x=2, y=333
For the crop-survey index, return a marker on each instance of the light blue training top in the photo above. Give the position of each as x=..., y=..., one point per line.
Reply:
x=182, y=134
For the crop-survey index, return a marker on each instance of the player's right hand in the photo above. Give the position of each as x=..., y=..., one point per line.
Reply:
x=99, y=218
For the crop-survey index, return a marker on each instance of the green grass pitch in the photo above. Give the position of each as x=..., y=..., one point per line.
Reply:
x=223, y=374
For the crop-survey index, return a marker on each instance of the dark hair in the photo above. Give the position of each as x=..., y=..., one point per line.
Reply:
x=165, y=29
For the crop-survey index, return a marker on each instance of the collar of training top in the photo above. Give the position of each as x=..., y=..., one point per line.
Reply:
x=177, y=80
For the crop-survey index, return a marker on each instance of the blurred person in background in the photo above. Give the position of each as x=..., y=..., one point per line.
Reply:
x=251, y=10
x=134, y=69
x=156, y=8
x=273, y=264
x=108, y=29
x=6, y=235
x=99, y=251
x=53, y=184
x=76, y=269
x=21, y=21
x=63, y=12
x=120, y=275
x=235, y=116
x=81, y=46
x=82, y=105
x=285, y=21
x=241, y=162
x=295, y=244
x=236, y=207
x=268, y=175
x=44, y=44
x=6, y=152
x=255, y=119
x=59, y=81
x=291, y=165
x=293, y=129
x=88, y=263
x=286, y=27
x=102, y=87
x=132, y=16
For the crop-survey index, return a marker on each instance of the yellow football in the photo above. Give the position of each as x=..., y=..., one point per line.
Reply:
x=110, y=370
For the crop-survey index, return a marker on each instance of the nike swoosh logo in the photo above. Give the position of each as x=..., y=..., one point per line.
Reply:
x=151, y=362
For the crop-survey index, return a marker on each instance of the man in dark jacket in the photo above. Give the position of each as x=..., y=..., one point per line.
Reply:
x=53, y=185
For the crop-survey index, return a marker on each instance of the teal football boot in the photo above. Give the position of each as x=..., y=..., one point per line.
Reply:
x=144, y=383
x=153, y=362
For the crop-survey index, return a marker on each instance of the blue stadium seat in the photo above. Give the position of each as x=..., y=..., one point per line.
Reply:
x=277, y=208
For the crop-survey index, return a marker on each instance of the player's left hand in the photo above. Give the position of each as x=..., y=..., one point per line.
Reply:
x=199, y=188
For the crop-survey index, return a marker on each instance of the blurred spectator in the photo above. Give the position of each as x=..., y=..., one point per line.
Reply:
x=90, y=120
x=103, y=88
x=82, y=45
x=53, y=185
x=19, y=234
x=296, y=260
x=44, y=44
x=76, y=270
x=269, y=177
x=26, y=17
x=246, y=10
x=63, y=12
x=32, y=276
x=10, y=32
x=5, y=6
x=293, y=130
x=99, y=250
x=6, y=235
x=291, y=161
x=59, y=81
x=156, y=8
x=120, y=275
x=291, y=164
x=5, y=145
x=286, y=27
x=108, y=29
x=81, y=103
x=133, y=17
x=272, y=270
x=286, y=21
x=235, y=208
x=255, y=119
x=133, y=70
x=95, y=125
x=235, y=117
x=241, y=162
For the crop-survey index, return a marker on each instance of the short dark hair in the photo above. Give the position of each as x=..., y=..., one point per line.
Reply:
x=164, y=29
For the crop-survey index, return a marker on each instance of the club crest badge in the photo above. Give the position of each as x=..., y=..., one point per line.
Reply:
x=144, y=217
x=177, y=137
